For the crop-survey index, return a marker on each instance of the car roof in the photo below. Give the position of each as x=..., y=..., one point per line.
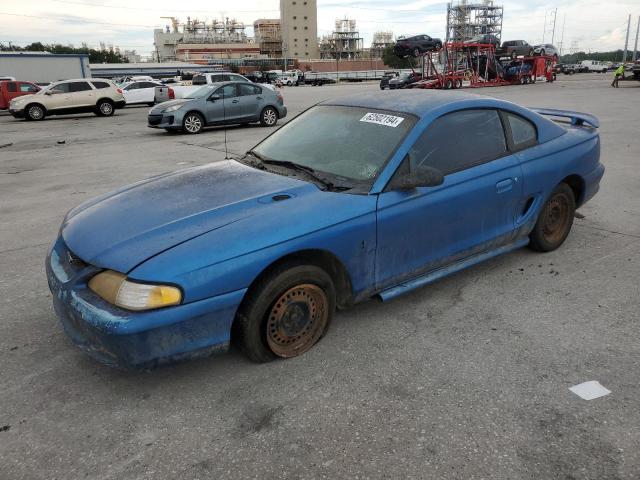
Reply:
x=415, y=102
x=433, y=103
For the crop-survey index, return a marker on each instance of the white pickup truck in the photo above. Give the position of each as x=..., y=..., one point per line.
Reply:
x=170, y=92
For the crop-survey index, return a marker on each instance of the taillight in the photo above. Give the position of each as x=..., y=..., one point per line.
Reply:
x=279, y=95
x=171, y=93
x=119, y=90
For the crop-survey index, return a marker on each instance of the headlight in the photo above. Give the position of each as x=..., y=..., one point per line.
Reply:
x=172, y=108
x=116, y=289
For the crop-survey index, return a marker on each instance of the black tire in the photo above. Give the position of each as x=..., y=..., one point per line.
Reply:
x=438, y=46
x=513, y=55
x=416, y=52
x=531, y=53
x=542, y=53
x=555, y=220
x=34, y=112
x=262, y=321
x=458, y=83
x=151, y=104
x=193, y=123
x=448, y=84
x=105, y=108
x=268, y=117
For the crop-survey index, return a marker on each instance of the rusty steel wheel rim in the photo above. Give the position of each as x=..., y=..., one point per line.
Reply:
x=297, y=320
x=556, y=218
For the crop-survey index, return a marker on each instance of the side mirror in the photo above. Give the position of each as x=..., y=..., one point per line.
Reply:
x=422, y=177
x=213, y=98
x=48, y=92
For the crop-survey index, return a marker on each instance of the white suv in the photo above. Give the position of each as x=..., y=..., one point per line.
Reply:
x=95, y=95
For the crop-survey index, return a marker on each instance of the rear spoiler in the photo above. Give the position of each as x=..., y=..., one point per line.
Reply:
x=576, y=118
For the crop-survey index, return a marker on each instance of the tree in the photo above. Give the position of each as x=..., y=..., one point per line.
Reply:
x=95, y=56
x=391, y=60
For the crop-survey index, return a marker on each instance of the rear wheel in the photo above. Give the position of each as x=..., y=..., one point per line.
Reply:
x=286, y=313
x=416, y=52
x=513, y=55
x=105, y=108
x=448, y=84
x=458, y=83
x=192, y=123
x=268, y=117
x=555, y=220
x=34, y=112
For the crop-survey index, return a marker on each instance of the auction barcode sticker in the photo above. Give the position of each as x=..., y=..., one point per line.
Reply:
x=382, y=119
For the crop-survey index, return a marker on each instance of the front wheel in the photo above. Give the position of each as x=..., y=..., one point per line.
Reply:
x=286, y=313
x=268, y=117
x=555, y=220
x=34, y=112
x=192, y=123
x=416, y=52
x=104, y=108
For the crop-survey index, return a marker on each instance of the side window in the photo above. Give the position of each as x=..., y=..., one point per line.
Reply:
x=26, y=88
x=131, y=86
x=62, y=88
x=523, y=132
x=100, y=85
x=12, y=87
x=228, y=91
x=483, y=141
x=78, y=87
x=247, y=89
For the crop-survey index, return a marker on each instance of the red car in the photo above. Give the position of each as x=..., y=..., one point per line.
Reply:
x=12, y=89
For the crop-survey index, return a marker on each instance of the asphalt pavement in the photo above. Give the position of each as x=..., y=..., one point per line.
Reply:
x=467, y=378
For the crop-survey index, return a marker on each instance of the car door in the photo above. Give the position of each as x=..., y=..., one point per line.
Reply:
x=81, y=95
x=251, y=100
x=132, y=93
x=58, y=96
x=474, y=210
x=224, y=109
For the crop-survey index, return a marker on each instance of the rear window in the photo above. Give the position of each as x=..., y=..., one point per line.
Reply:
x=523, y=132
x=100, y=85
x=199, y=80
x=12, y=87
x=78, y=86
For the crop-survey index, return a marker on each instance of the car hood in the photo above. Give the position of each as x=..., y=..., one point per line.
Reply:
x=124, y=228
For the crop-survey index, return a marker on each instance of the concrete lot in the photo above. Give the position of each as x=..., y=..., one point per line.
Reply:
x=467, y=378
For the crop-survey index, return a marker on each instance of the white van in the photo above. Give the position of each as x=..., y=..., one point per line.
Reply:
x=594, y=65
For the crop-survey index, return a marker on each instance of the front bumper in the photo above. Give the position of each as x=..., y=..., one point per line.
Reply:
x=127, y=339
x=161, y=120
x=17, y=113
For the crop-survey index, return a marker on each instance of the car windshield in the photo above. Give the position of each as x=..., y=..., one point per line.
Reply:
x=351, y=143
x=203, y=91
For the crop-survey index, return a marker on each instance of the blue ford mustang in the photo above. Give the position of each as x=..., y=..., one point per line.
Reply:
x=354, y=198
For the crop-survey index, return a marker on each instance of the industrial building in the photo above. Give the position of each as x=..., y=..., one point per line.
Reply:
x=268, y=35
x=299, y=26
x=466, y=20
x=44, y=67
x=199, y=42
x=344, y=42
x=381, y=40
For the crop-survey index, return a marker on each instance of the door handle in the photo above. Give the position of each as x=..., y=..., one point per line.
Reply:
x=504, y=185
x=259, y=98
x=235, y=101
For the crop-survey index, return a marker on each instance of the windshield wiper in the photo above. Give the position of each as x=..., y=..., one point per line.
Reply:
x=301, y=168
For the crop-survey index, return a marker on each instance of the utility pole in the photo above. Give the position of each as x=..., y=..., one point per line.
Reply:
x=553, y=32
x=635, y=47
x=564, y=20
x=544, y=30
x=626, y=42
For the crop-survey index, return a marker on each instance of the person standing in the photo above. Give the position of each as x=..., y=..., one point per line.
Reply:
x=619, y=72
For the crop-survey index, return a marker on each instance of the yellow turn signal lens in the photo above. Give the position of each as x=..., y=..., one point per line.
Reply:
x=116, y=289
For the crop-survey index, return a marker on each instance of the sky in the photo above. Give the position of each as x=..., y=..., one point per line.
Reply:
x=588, y=25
